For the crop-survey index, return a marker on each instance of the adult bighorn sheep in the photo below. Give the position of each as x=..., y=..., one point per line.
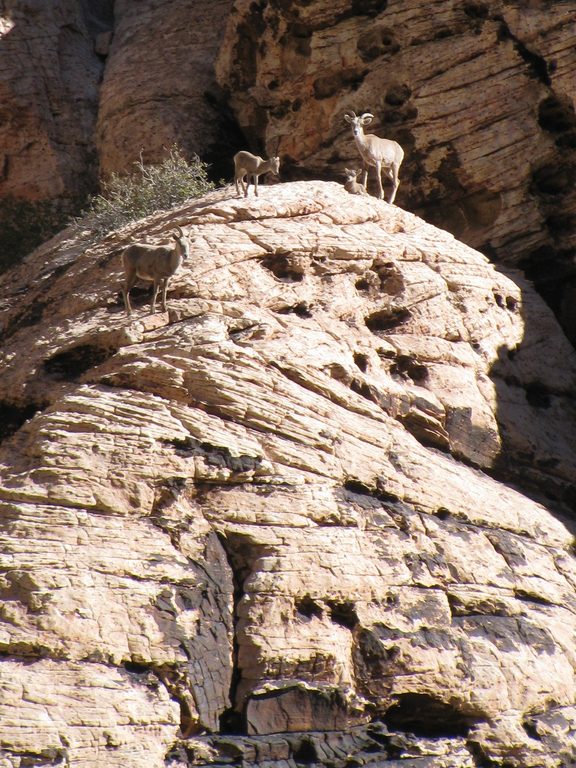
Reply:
x=352, y=184
x=245, y=163
x=154, y=263
x=382, y=154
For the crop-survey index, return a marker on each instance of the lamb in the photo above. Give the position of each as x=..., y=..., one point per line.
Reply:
x=382, y=154
x=352, y=184
x=245, y=163
x=155, y=263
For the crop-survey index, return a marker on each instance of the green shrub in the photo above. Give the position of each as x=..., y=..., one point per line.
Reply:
x=149, y=189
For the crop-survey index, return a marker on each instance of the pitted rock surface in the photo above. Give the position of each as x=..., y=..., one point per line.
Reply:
x=318, y=511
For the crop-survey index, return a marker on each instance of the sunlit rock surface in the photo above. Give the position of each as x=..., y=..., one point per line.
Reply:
x=319, y=511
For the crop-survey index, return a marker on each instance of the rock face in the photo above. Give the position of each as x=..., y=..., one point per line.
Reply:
x=159, y=85
x=480, y=94
x=49, y=75
x=318, y=512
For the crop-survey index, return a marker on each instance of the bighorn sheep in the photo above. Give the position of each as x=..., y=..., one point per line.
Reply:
x=382, y=154
x=155, y=263
x=254, y=166
x=352, y=184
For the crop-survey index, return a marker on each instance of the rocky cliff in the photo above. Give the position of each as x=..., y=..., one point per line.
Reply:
x=480, y=94
x=319, y=513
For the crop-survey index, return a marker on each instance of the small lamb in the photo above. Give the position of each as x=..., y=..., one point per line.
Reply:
x=247, y=164
x=352, y=184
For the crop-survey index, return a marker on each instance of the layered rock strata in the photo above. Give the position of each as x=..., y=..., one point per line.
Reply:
x=480, y=95
x=317, y=512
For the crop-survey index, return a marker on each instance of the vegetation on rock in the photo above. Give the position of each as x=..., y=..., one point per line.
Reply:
x=151, y=188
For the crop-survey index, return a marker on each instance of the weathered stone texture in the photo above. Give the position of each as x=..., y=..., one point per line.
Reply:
x=159, y=86
x=283, y=510
x=480, y=95
x=49, y=76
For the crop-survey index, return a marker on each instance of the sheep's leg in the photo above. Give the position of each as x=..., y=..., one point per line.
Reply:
x=395, y=182
x=247, y=184
x=255, y=177
x=379, y=177
x=129, y=283
x=365, y=175
x=242, y=180
x=155, y=294
x=236, y=180
x=164, y=289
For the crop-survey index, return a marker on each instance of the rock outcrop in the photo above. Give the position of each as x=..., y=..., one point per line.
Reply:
x=480, y=94
x=318, y=512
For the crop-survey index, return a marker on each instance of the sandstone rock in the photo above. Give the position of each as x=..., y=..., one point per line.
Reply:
x=159, y=86
x=480, y=95
x=49, y=90
x=317, y=512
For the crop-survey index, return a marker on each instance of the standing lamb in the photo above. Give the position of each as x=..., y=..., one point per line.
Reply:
x=245, y=163
x=154, y=263
x=382, y=154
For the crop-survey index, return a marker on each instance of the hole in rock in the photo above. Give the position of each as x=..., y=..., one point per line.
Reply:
x=72, y=363
x=426, y=716
x=12, y=417
x=371, y=497
x=390, y=277
x=387, y=319
x=355, y=486
x=308, y=607
x=232, y=722
x=363, y=284
x=377, y=42
x=136, y=668
x=476, y=10
x=215, y=455
x=555, y=115
x=499, y=299
x=363, y=389
x=408, y=366
x=343, y=613
x=398, y=94
x=511, y=303
x=531, y=729
x=283, y=268
x=302, y=309
x=361, y=361
x=553, y=179
x=306, y=753
x=538, y=396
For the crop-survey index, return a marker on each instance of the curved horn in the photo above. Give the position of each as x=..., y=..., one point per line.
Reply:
x=349, y=116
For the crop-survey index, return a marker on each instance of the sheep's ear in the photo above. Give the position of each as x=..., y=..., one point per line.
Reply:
x=367, y=118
